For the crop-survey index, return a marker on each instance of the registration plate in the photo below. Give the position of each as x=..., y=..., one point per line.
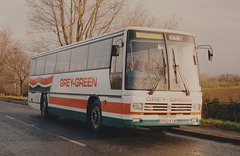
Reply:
x=167, y=119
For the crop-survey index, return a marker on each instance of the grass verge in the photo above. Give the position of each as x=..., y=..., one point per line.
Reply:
x=19, y=98
x=213, y=123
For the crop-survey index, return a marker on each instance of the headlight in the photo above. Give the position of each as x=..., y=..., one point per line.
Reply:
x=196, y=107
x=137, y=106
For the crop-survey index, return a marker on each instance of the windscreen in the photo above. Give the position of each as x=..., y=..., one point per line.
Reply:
x=150, y=65
x=182, y=62
x=146, y=65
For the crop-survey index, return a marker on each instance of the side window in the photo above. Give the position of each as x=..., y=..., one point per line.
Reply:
x=33, y=64
x=79, y=58
x=63, y=59
x=40, y=65
x=116, y=66
x=50, y=63
x=99, y=54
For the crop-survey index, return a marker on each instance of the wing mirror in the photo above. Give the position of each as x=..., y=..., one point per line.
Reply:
x=115, y=50
x=210, y=50
x=210, y=54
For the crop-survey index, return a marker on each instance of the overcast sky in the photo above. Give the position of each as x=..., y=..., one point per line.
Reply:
x=214, y=22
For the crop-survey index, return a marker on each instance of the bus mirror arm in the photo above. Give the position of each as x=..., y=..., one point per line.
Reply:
x=210, y=50
x=120, y=43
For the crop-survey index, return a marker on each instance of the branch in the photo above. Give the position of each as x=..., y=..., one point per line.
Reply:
x=56, y=24
x=63, y=22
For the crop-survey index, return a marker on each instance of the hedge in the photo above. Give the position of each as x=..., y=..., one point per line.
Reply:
x=226, y=112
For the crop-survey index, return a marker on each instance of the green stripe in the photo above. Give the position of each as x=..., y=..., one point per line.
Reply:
x=125, y=123
x=39, y=89
x=156, y=123
x=114, y=122
x=67, y=113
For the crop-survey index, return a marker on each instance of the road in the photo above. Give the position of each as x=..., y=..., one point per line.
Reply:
x=24, y=132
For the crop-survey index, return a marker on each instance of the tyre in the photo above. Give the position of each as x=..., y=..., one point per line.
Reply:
x=44, y=107
x=95, y=117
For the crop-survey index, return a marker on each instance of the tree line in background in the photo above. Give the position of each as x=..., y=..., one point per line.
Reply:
x=223, y=80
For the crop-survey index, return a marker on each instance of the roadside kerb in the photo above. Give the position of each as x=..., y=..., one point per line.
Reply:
x=209, y=133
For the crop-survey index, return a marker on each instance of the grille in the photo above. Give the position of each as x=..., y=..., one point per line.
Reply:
x=181, y=107
x=164, y=107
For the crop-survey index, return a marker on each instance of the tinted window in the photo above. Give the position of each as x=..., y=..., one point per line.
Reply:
x=50, y=63
x=79, y=58
x=99, y=54
x=33, y=63
x=40, y=65
x=63, y=59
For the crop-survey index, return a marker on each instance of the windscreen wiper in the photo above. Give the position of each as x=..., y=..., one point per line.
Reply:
x=164, y=66
x=176, y=68
x=184, y=81
x=158, y=77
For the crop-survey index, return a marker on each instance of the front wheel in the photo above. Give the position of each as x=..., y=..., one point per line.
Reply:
x=95, y=117
x=44, y=107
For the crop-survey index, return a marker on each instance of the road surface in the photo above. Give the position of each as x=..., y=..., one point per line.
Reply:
x=24, y=132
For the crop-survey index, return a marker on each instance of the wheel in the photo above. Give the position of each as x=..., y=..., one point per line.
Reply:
x=44, y=107
x=95, y=117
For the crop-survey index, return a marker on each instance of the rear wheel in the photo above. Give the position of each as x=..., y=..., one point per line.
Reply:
x=95, y=117
x=44, y=107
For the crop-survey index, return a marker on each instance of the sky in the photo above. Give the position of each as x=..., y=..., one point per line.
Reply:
x=214, y=22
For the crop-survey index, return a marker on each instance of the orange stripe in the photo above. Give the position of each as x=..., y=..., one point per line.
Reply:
x=115, y=107
x=196, y=113
x=43, y=81
x=76, y=103
x=111, y=107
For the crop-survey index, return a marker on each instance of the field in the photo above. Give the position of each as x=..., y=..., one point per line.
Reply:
x=224, y=94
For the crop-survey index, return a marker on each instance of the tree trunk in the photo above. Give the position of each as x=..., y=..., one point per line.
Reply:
x=21, y=88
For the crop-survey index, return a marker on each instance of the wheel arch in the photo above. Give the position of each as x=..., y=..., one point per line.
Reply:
x=90, y=102
x=44, y=109
x=41, y=99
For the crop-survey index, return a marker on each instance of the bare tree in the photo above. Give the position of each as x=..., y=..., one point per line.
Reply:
x=5, y=45
x=139, y=16
x=18, y=64
x=14, y=63
x=63, y=22
x=73, y=20
x=136, y=15
x=170, y=22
